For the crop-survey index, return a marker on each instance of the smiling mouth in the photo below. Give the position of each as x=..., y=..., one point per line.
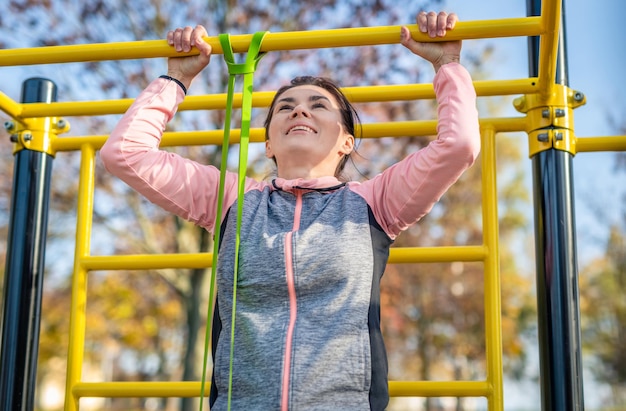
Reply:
x=301, y=128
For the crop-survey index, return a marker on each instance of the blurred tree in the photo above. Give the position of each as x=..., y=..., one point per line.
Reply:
x=603, y=307
x=604, y=315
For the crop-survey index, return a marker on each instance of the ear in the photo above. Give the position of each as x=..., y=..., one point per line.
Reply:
x=268, y=149
x=348, y=144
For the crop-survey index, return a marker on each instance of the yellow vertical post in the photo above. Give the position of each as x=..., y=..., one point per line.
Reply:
x=79, y=278
x=493, y=306
x=549, y=44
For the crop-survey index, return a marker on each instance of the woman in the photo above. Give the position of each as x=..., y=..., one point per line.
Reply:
x=313, y=248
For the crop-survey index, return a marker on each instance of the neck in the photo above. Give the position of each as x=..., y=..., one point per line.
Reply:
x=303, y=174
x=295, y=171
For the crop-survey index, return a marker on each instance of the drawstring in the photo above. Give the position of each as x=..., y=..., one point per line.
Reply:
x=246, y=69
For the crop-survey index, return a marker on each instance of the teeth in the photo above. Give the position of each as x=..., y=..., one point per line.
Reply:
x=301, y=128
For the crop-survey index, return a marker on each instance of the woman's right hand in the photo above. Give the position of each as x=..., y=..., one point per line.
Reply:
x=183, y=39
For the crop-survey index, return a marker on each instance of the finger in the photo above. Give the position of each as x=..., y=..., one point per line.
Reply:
x=170, y=37
x=175, y=35
x=197, y=40
x=442, y=22
x=407, y=41
x=196, y=36
x=177, y=39
x=452, y=20
x=405, y=34
x=422, y=21
x=198, y=32
x=186, y=38
x=431, y=23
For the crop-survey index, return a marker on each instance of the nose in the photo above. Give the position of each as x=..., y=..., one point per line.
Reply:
x=300, y=110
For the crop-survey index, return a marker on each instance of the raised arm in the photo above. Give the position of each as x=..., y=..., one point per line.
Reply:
x=180, y=186
x=406, y=191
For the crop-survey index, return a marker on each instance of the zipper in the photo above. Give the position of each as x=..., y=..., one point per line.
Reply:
x=293, y=309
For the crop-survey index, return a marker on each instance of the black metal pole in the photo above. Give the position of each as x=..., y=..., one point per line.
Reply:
x=23, y=282
x=556, y=259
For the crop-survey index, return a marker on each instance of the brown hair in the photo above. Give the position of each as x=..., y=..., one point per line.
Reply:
x=349, y=116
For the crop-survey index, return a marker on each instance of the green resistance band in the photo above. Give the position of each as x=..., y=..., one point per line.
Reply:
x=246, y=69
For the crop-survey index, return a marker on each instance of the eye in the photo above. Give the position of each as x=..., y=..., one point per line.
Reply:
x=319, y=105
x=284, y=107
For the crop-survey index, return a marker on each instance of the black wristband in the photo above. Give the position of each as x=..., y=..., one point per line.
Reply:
x=165, y=76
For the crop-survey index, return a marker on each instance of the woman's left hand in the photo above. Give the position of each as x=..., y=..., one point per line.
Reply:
x=435, y=25
x=185, y=69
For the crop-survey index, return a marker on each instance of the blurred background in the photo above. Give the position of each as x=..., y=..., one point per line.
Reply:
x=149, y=326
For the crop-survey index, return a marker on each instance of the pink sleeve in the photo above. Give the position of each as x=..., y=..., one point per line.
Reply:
x=406, y=191
x=178, y=185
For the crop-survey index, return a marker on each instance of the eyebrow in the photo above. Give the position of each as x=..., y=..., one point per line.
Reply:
x=315, y=97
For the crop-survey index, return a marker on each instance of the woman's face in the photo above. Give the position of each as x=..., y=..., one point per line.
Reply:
x=306, y=131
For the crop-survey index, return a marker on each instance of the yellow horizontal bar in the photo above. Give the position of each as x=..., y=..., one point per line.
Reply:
x=192, y=389
x=146, y=261
x=399, y=129
x=370, y=36
x=486, y=88
x=505, y=124
x=138, y=389
x=440, y=389
x=424, y=91
x=78, y=108
x=75, y=143
x=295, y=40
x=437, y=254
x=203, y=260
x=257, y=135
x=608, y=143
x=364, y=94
